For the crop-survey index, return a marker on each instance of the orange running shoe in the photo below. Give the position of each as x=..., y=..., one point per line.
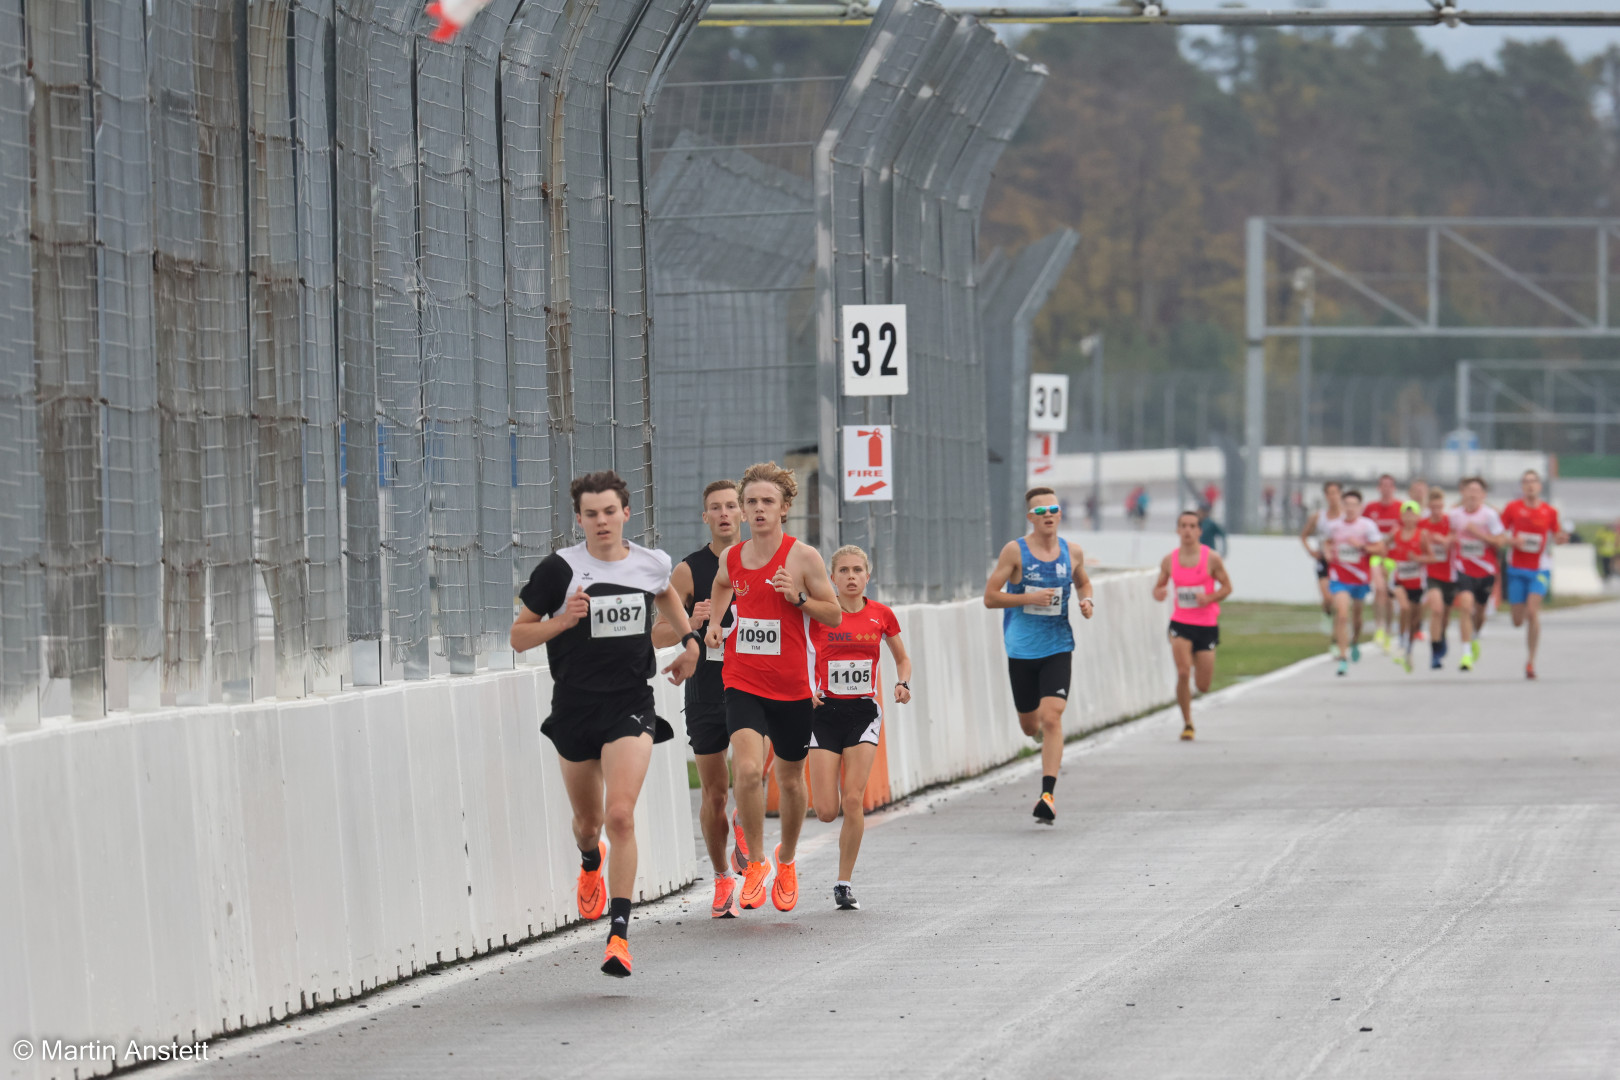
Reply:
x=616, y=961
x=592, y=891
x=785, y=889
x=1046, y=809
x=739, y=853
x=753, y=888
x=725, y=898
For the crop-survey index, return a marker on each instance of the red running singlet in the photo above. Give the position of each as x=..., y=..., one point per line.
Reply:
x=768, y=651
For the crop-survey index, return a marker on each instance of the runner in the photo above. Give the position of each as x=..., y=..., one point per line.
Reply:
x=1386, y=514
x=779, y=585
x=1409, y=547
x=1476, y=528
x=1352, y=542
x=1031, y=581
x=1315, y=529
x=706, y=692
x=590, y=606
x=1200, y=580
x=1533, y=528
x=1442, y=591
x=1417, y=490
x=848, y=718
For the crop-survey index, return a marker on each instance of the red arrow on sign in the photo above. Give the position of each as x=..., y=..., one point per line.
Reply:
x=867, y=489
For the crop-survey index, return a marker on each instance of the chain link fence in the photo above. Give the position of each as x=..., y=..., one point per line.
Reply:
x=308, y=320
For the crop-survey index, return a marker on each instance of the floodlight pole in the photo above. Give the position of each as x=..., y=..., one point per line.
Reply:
x=1254, y=379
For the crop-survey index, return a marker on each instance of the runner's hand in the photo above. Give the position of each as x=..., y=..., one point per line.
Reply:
x=682, y=668
x=712, y=637
x=783, y=583
x=700, y=613
x=1160, y=592
x=1085, y=606
x=578, y=607
x=1040, y=597
x=902, y=695
x=816, y=700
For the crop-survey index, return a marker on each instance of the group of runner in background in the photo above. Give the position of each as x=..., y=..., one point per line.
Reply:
x=1419, y=560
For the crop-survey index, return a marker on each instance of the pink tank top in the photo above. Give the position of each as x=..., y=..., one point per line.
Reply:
x=1190, y=582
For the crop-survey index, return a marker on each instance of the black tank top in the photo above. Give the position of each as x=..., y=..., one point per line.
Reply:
x=705, y=686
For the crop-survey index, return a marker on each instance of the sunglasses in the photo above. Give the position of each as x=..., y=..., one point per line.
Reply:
x=1042, y=511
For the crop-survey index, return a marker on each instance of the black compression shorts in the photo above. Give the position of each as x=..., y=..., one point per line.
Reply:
x=839, y=723
x=1033, y=680
x=1448, y=590
x=1203, y=638
x=706, y=727
x=1480, y=586
x=785, y=723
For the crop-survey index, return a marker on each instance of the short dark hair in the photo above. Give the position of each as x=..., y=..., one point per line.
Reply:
x=1386, y=476
x=594, y=483
x=1189, y=513
x=1034, y=491
x=719, y=485
x=1354, y=493
x=1480, y=480
x=1530, y=472
x=1332, y=484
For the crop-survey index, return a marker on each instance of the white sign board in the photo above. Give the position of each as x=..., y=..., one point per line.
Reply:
x=1042, y=448
x=868, y=463
x=1049, y=403
x=875, y=350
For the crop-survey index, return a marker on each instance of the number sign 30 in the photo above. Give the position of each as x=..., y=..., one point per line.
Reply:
x=874, y=350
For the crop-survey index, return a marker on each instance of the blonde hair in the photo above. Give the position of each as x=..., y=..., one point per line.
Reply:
x=769, y=472
x=851, y=549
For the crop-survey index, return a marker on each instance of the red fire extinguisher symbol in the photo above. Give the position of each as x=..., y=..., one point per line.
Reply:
x=874, y=447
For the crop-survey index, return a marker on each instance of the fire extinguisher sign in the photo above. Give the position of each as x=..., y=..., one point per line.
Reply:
x=868, y=463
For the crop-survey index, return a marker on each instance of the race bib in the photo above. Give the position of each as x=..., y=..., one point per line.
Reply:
x=851, y=678
x=1530, y=543
x=1349, y=553
x=717, y=653
x=1187, y=596
x=618, y=615
x=1406, y=571
x=1472, y=549
x=758, y=637
x=1053, y=608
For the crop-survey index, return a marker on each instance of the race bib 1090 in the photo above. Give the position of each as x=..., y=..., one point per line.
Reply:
x=851, y=678
x=758, y=637
x=618, y=615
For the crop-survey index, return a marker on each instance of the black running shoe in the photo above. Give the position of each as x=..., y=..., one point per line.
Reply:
x=1045, y=812
x=844, y=897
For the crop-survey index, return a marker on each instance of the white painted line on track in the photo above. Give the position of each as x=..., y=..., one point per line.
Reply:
x=418, y=987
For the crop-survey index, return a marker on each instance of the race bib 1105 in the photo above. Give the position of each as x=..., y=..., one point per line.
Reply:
x=850, y=678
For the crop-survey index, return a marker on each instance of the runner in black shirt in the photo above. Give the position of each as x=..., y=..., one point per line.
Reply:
x=590, y=606
x=706, y=692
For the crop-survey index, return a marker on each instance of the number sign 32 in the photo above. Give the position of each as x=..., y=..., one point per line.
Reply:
x=874, y=350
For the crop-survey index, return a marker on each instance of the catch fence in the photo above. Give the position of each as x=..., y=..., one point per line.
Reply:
x=307, y=320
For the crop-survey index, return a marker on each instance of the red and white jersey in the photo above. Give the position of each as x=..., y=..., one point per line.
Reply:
x=1405, y=551
x=1533, y=529
x=1387, y=516
x=1475, y=557
x=847, y=654
x=768, y=651
x=1438, y=535
x=1348, y=562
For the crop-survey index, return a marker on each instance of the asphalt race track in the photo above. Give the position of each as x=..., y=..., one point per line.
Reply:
x=1384, y=875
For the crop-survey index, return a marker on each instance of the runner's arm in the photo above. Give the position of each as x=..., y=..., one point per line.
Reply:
x=1217, y=570
x=1082, y=582
x=995, y=594
x=674, y=613
x=1307, y=532
x=664, y=633
x=530, y=631
x=719, y=600
x=822, y=604
x=1161, y=588
x=902, y=669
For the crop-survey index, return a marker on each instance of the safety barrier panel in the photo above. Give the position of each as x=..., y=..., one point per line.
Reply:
x=188, y=872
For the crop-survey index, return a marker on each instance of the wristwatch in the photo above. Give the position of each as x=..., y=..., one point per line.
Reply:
x=803, y=599
x=693, y=636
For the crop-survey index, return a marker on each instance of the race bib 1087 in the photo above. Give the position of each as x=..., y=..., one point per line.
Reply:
x=618, y=615
x=850, y=678
x=758, y=637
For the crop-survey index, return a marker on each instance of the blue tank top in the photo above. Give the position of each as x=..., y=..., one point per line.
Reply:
x=1032, y=636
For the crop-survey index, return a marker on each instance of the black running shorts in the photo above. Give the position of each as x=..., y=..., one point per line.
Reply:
x=839, y=723
x=580, y=725
x=1033, y=680
x=1321, y=568
x=1203, y=638
x=1448, y=590
x=785, y=723
x=1479, y=586
x=1413, y=595
x=706, y=727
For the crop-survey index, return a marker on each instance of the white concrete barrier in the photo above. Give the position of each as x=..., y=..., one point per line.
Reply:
x=1268, y=569
x=179, y=874
x=1574, y=571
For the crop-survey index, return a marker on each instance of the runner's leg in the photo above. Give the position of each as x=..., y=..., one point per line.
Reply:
x=748, y=765
x=1341, y=624
x=791, y=805
x=1182, y=650
x=715, y=779
x=624, y=768
x=857, y=767
x=583, y=782
x=1532, y=633
x=823, y=766
x=1049, y=717
x=1204, y=669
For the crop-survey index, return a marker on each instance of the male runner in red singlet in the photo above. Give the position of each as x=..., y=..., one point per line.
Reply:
x=1475, y=528
x=1442, y=587
x=1385, y=512
x=1532, y=528
x=706, y=691
x=1409, y=548
x=779, y=585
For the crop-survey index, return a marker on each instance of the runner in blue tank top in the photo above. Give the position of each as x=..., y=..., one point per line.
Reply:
x=1031, y=582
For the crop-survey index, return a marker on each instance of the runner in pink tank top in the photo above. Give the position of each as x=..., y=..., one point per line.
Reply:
x=1198, y=577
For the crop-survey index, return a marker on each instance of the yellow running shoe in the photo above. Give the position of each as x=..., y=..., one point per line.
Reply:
x=1187, y=733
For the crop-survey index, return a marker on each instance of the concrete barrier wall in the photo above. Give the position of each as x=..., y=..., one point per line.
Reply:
x=190, y=872
x=179, y=874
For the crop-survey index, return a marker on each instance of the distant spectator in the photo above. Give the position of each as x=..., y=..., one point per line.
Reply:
x=1605, y=541
x=1210, y=533
x=1270, y=497
x=1212, y=495
x=1091, y=510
